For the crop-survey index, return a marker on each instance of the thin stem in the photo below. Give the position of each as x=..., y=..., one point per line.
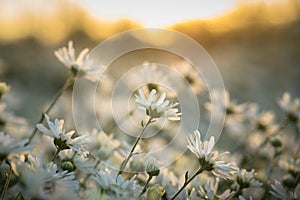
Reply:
x=297, y=152
x=146, y=185
x=199, y=171
x=69, y=82
x=55, y=155
x=7, y=182
x=125, y=162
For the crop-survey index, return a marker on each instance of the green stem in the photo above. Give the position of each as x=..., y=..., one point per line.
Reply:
x=146, y=185
x=125, y=162
x=69, y=82
x=7, y=182
x=55, y=155
x=199, y=171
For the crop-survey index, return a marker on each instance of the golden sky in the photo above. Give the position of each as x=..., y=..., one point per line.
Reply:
x=53, y=20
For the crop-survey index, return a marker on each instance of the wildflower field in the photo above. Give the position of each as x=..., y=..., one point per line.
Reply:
x=149, y=114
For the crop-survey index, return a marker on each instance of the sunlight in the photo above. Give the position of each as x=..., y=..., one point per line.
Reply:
x=157, y=13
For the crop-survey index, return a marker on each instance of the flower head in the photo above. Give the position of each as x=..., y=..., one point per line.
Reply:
x=157, y=107
x=114, y=186
x=4, y=88
x=230, y=106
x=209, y=191
x=63, y=140
x=278, y=190
x=82, y=65
x=244, y=179
x=191, y=75
x=291, y=108
x=209, y=159
x=41, y=182
x=8, y=146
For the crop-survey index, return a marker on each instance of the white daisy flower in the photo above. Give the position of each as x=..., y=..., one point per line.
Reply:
x=191, y=75
x=8, y=146
x=243, y=198
x=171, y=183
x=209, y=191
x=114, y=186
x=231, y=108
x=15, y=126
x=291, y=108
x=41, y=182
x=151, y=74
x=278, y=191
x=82, y=65
x=103, y=145
x=208, y=158
x=245, y=179
x=290, y=164
x=156, y=108
x=63, y=140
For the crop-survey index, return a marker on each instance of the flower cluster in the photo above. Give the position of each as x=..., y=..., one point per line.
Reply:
x=260, y=161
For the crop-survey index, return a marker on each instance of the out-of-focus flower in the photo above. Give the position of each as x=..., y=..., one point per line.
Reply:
x=155, y=192
x=292, y=165
x=291, y=108
x=221, y=104
x=171, y=183
x=231, y=108
x=8, y=146
x=243, y=198
x=15, y=126
x=72, y=161
x=42, y=182
x=136, y=164
x=244, y=179
x=278, y=191
x=63, y=140
x=209, y=159
x=209, y=191
x=115, y=187
x=103, y=145
x=4, y=89
x=191, y=75
x=157, y=107
x=150, y=74
x=261, y=121
x=82, y=65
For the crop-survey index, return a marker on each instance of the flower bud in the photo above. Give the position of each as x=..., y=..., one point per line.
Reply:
x=276, y=142
x=155, y=192
x=67, y=165
x=289, y=181
x=152, y=167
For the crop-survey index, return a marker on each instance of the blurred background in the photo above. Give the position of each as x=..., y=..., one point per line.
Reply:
x=255, y=44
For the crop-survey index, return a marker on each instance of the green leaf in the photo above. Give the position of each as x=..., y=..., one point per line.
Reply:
x=186, y=176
